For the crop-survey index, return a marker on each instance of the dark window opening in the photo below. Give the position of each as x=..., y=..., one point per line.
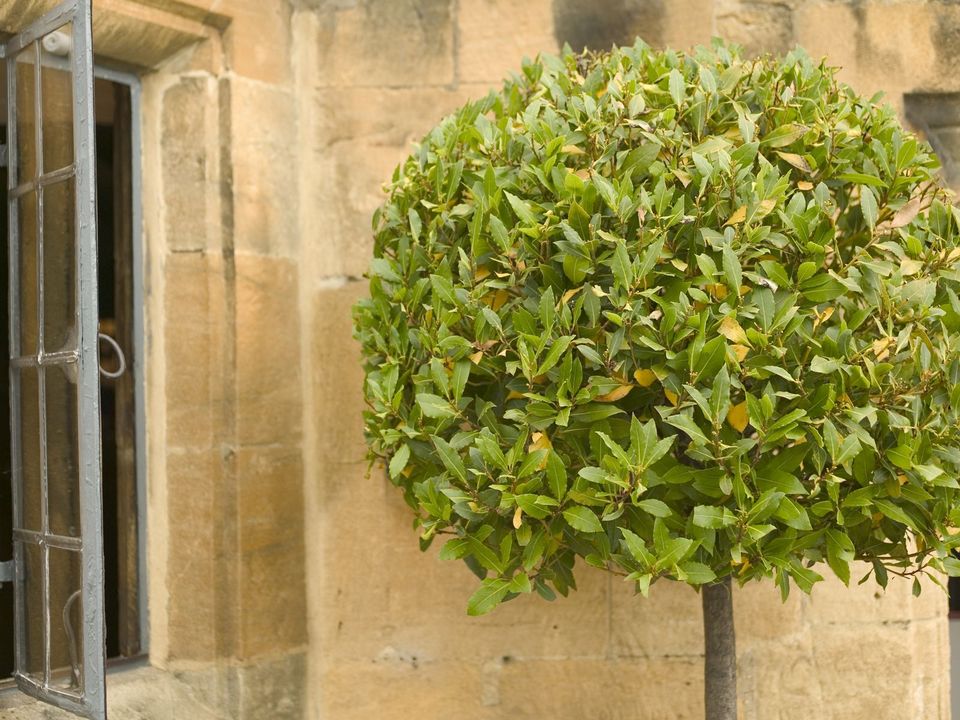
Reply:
x=118, y=415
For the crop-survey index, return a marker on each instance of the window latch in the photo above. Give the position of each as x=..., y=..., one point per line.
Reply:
x=6, y=572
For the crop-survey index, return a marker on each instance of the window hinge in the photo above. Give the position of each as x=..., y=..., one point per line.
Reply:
x=6, y=571
x=3, y=155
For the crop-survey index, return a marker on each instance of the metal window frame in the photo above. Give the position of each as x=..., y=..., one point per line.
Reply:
x=132, y=82
x=90, y=701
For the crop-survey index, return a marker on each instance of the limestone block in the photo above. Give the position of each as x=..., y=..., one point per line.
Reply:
x=495, y=35
x=257, y=40
x=193, y=479
x=384, y=43
x=668, y=622
x=760, y=614
x=194, y=338
x=186, y=166
x=269, y=395
x=641, y=689
x=760, y=27
x=361, y=135
x=824, y=30
x=270, y=516
x=831, y=602
x=264, y=160
x=415, y=603
x=850, y=661
x=688, y=23
x=393, y=686
x=336, y=378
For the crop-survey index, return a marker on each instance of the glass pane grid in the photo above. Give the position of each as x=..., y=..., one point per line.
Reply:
x=45, y=367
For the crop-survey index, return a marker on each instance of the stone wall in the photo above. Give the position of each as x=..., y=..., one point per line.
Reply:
x=285, y=579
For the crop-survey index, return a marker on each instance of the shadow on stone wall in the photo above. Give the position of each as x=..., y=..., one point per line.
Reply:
x=599, y=24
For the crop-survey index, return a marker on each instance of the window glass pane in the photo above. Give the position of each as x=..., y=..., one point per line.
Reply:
x=62, y=451
x=32, y=497
x=32, y=664
x=59, y=267
x=26, y=113
x=27, y=277
x=66, y=620
x=56, y=92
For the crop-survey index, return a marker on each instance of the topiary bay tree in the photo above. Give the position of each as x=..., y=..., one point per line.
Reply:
x=685, y=317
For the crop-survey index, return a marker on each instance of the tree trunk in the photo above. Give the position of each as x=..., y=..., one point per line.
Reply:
x=720, y=644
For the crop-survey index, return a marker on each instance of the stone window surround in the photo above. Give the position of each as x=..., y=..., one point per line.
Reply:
x=208, y=659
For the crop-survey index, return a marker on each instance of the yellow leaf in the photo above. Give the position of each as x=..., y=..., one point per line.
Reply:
x=598, y=291
x=732, y=331
x=718, y=291
x=672, y=397
x=910, y=267
x=740, y=351
x=583, y=174
x=737, y=417
x=797, y=161
x=644, y=377
x=739, y=215
x=476, y=357
x=572, y=150
x=540, y=442
x=514, y=395
x=614, y=395
x=499, y=298
x=481, y=273
x=682, y=176
x=518, y=517
x=804, y=185
x=569, y=294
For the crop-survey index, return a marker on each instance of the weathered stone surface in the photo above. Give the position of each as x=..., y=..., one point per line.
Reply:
x=264, y=157
x=360, y=137
x=759, y=26
x=272, y=595
x=662, y=688
x=495, y=35
x=185, y=162
x=194, y=338
x=193, y=490
x=337, y=395
x=269, y=393
x=385, y=43
x=640, y=625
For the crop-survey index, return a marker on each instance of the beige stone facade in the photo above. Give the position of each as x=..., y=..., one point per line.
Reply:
x=285, y=582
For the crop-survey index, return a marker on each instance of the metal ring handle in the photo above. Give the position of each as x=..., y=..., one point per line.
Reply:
x=120, y=356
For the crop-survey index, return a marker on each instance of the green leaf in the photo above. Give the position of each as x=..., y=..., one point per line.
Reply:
x=731, y=268
x=450, y=458
x=491, y=593
x=654, y=507
x=868, y=206
x=822, y=288
x=622, y=267
x=895, y=513
x=434, y=406
x=783, y=135
x=582, y=519
x=824, y=366
x=521, y=208
x=677, y=87
x=443, y=289
x=686, y=423
x=697, y=573
x=901, y=456
x=399, y=460
x=714, y=518
x=557, y=475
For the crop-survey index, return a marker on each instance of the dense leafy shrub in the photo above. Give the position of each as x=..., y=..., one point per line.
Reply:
x=683, y=316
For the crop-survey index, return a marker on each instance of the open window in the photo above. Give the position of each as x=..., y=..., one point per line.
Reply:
x=57, y=564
